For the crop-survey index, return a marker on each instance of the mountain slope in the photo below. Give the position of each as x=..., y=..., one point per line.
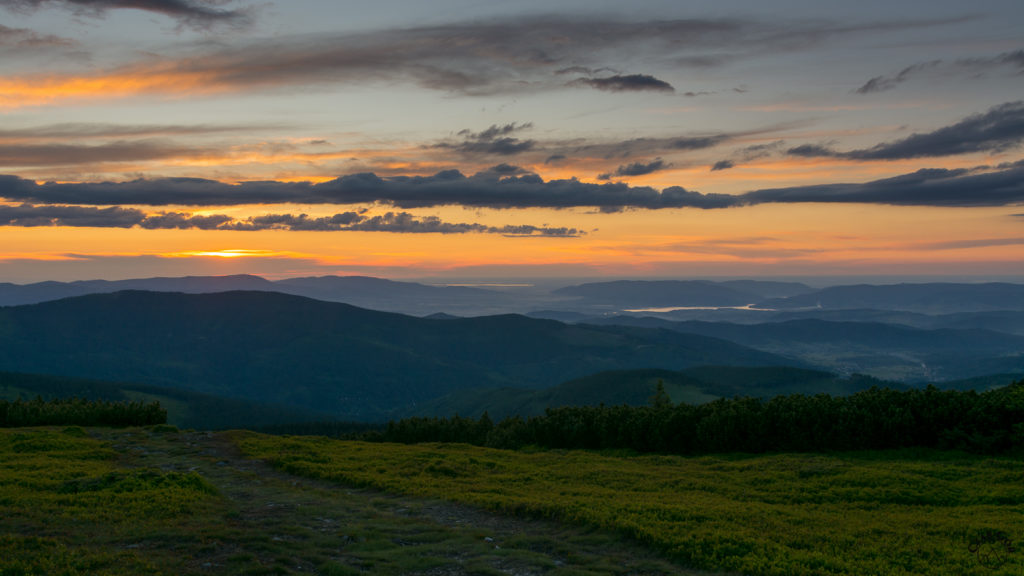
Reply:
x=351, y=362
x=185, y=408
x=636, y=387
x=881, y=350
x=362, y=291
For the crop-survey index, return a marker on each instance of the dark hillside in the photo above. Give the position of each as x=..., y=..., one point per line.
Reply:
x=330, y=357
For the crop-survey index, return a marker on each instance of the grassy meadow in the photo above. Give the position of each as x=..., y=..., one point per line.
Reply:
x=159, y=501
x=898, y=513
x=68, y=508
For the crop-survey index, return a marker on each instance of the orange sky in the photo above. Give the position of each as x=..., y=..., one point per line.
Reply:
x=874, y=141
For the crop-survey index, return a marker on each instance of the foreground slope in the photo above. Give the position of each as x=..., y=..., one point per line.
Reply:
x=158, y=502
x=350, y=362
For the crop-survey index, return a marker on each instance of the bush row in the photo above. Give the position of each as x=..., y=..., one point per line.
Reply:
x=79, y=412
x=875, y=419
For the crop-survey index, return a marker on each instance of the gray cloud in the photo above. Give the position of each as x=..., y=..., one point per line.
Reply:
x=638, y=169
x=641, y=146
x=182, y=221
x=492, y=141
x=972, y=65
x=978, y=243
x=527, y=54
x=882, y=83
x=1014, y=59
x=641, y=168
x=65, y=154
x=698, y=142
x=627, y=83
x=194, y=13
x=450, y=187
x=928, y=187
x=24, y=39
x=31, y=216
x=104, y=130
x=999, y=128
x=501, y=187
x=722, y=165
x=28, y=215
x=813, y=151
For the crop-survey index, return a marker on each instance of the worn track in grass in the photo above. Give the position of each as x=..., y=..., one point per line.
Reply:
x=275, y=523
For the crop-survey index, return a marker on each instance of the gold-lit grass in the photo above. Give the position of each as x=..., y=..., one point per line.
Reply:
x=897, y=513
x=158, y=500
x=65, y=500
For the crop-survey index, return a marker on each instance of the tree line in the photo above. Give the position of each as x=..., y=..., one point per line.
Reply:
x=874, y=419
x=79, y=412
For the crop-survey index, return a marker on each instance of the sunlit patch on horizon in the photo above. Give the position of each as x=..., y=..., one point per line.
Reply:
x=230, y=253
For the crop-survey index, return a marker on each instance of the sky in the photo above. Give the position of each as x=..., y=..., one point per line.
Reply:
x=457, y=138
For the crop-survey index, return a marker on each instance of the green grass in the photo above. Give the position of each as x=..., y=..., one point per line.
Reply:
x=65, y=501
x=896, y=513
x=159, y=500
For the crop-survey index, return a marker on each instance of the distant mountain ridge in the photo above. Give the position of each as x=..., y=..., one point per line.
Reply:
x=667, y=293
x=937, y=297
x=769, y=299
x=362, y=291
x=347, y=361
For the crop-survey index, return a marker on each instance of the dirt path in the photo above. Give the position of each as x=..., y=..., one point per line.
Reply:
x=275, y=523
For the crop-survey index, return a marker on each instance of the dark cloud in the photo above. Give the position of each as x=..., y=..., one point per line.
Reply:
x=194, y=13
x=812, y=151
x=998, y=129
x=627, y=83
x=641, y=146
x=102, y=130
x=495, y=131
x=971, y=65
x=31, y=216
x=641, y=168
x=750, y=153
x=448, y=187
x=698, y=142
x=28, y=215
x=882, y=83
x=492, y=141
x=756, y=151
x=555, y=158
x=182, y=221
x=928, y=187
x=1015, y=59
x=22, y=38
x=505, y=169
x=695, y=94
x=66, y=154
x=497, y=147
x=978, y=243
x=529, y=190
x=497, y=188
x=478, y=58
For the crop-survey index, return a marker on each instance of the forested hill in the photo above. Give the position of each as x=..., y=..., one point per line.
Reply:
x=350, y=362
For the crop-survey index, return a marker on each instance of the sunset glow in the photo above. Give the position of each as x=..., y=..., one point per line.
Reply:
x=680, y=140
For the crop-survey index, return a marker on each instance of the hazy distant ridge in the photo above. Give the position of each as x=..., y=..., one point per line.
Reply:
x=927, y=298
